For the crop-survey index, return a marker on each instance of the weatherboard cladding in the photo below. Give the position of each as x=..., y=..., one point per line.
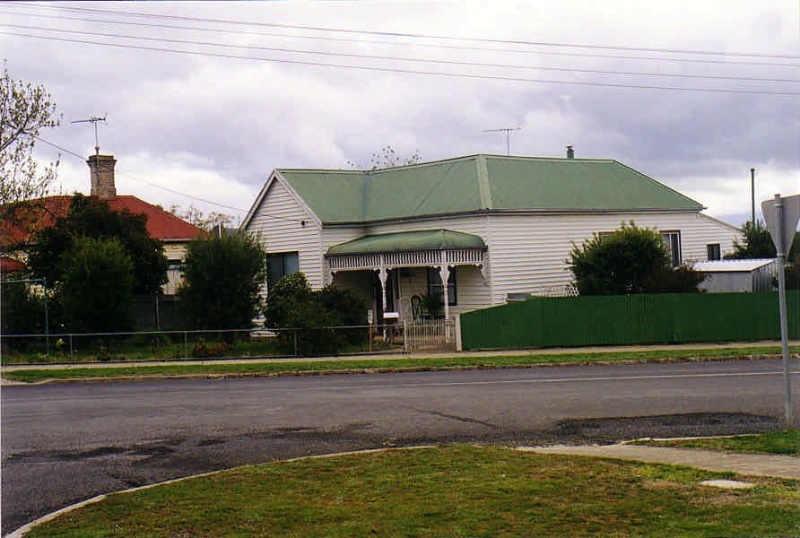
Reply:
x=481, y=183
x=280, y=224
x=530, y=254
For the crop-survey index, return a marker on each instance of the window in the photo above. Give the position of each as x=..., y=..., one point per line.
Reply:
x=435, y=285
x=673, y=242
x=713, y=252
x=282, y=264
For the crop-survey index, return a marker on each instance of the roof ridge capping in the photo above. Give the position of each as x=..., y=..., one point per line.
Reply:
x=473, y=156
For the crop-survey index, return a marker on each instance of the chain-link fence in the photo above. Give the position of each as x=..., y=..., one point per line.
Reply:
x=224, y=344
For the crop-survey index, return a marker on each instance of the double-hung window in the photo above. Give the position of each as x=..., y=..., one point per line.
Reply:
x=282, y=264
x=672, y=240
x=435, y=285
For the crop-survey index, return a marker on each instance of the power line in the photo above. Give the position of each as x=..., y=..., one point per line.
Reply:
x=422, y=45
x=423, y=36
x=173, y=191
x=411, y=71
x=403, y=59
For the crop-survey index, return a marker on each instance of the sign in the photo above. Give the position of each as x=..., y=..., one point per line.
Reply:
x=791, y=215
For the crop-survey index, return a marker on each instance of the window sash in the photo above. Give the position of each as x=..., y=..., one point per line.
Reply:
x=282, y=264
x=672, y=240
x=435, y=285
x=714, y=252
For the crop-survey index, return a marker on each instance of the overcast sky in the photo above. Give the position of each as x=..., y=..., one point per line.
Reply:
x=205, y=99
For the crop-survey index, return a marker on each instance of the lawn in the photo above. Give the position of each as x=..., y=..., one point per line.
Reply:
x=388, y=364
x=445, y=491
x=785, y=442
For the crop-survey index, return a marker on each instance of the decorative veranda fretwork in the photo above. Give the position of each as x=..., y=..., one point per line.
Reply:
x=391, y=260
x=443, y=260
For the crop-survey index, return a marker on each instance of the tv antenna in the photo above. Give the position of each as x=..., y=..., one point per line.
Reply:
x=506, y=130
x=93, y=120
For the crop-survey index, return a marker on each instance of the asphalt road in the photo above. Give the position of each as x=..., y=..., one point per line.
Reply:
x=65, y=443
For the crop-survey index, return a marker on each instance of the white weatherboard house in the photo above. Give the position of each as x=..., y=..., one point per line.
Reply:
x=490, y=226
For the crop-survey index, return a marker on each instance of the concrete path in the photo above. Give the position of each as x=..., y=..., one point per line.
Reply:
x=746, y=464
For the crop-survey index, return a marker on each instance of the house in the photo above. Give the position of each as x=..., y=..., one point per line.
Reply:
x=489, y=226
x=23, y=220
x=729, y=276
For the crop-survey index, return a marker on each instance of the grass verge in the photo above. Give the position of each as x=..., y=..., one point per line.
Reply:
x=449, y=491
x=785, y=442
x=351, y=365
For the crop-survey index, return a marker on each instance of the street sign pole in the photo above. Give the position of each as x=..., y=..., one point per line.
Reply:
x=787, y=382
x=781, y=226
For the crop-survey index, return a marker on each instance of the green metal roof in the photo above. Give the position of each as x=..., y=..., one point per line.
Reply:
x=481, y=183
x=406, y=241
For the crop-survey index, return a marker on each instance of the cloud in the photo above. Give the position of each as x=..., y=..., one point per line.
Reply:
x=215, y=127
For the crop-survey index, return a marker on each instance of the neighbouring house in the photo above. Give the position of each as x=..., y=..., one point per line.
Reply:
x=21, y=222
x=729, y=276
x=490, y=227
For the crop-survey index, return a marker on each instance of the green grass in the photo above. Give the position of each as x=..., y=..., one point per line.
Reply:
x=452, y=491
x=293, y=367
x=786, y=443
x=126, y=348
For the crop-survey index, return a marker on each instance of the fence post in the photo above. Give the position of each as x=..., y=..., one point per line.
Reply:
x=405, y=336
x=459, y=343
x=71, y=358
x=185, y=344
x=46, y=317
x=294, y=336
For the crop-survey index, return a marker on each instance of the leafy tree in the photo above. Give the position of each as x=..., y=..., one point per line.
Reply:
x=630, y=260
x=388, y=158
x=223, y=276
x=756, y=243
x=317, y=317
x=92, y=217
x=96, y=287
x=25, y=110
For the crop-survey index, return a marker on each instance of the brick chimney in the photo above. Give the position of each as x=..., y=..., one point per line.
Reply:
x=101, y=168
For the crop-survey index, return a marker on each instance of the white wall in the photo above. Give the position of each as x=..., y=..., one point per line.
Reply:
x=529, y=253
x=278, y=224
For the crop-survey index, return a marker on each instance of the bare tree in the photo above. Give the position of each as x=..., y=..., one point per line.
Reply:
x=195, y=216
x=388, y=158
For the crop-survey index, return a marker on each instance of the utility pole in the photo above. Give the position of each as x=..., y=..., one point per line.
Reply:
x=506, y=130
x=93, y=120
x=753, y=197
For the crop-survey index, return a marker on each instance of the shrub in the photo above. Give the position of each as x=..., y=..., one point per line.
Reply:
x=223, y=276
x=96, y=291
x=627, y=261
x=308, y=318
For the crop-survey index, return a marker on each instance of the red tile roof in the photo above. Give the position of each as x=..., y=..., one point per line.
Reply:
x=24, y=219
x=161, y=224
x=9, y=265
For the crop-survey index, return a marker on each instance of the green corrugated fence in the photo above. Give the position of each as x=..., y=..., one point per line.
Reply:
x=629, y=319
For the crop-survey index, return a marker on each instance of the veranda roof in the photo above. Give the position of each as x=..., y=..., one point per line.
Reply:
x=408, y=241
